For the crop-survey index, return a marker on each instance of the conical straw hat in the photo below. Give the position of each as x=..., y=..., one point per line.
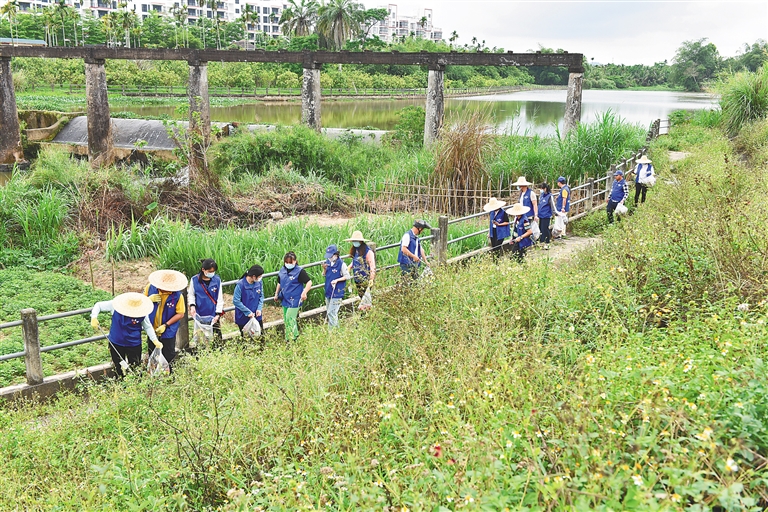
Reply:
x=168, y=280
x=518, y=209
x=132, y=305
x=644, y=160
x=522, y=182
x=357, y=236
x=493, y=204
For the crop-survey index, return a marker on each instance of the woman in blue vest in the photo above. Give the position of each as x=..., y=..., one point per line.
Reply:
x=164, y=290
x=412, y=253
x=522, y=231
x=129, y=318
x=249, y=298
x=527, y=197
x=619, y=194
x=546, y=204
x=643, y=173
x=563, y=201
x=293, y=284
x=363, y=266
x=499, y=223
x=336, y=275
x=205, y=296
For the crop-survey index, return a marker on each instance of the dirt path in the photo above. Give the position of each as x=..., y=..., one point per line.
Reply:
x=561, y=250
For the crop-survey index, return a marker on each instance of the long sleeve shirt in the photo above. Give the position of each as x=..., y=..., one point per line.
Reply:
x=193, y=300
x=619, y=191
x=237, y=300
x=107, y=307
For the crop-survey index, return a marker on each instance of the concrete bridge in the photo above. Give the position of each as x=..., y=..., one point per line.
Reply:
x=99, y=124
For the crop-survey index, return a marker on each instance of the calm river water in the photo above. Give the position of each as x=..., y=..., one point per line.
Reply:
x=532, y=112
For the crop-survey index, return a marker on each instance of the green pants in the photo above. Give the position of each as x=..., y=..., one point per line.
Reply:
x=290, y=317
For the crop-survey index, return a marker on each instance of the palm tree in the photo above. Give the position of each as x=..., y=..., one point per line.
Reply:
x=338, y=21
x=453, y=38
x=48, y=21
x=10, y=10
x=62, y=12
x=299, y=18
x=423, y=22
x=247, y=18
x=212, y=5
x=74, y=16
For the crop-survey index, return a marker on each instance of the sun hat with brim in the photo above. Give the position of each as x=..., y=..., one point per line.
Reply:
x=357, y=236
x=644, y=160
x=168, y=280
x=493, y=204
x=133, y=305
x=522, y=182
x=518, y=209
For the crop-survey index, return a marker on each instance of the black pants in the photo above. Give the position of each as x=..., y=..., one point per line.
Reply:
x=640, y=191
x=496, y=244
x=546, y=233
x=610, y=209
x=169, y=349
x=131, y=355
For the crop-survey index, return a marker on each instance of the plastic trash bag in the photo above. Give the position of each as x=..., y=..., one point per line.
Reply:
x=621, y=209
x=252, y=328
x=366, y=302
x=558, y=229
x=157, y=365
x=203, y=330
x=535, y=230
x=426, y=275
x=649, y=181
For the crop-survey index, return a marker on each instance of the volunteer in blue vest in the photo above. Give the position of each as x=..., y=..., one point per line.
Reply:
x=363, y=266
x=164, y=290
x=546, y=209
x=563, y=202
x=643, y=173
x=522, y=232
x=499, y=223
x=293, y=284
x=249, y=298
x=336, y=276
x=205, y=295
x=527, y=197
x=129, y=318
x=619, y=194
x=412, y=253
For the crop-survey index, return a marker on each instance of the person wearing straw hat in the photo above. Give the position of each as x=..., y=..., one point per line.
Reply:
x=499, y=223
x=619, y=194
x=522, y=230
x=129, y=318
x=643, y=173
x=205, y=295
x=363, y=266
x=412, y=254
x=336, y=275
x=249, y=298
x=293, y=285
x=164, y=290
x=527, y=197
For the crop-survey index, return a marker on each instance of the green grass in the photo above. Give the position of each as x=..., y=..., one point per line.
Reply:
x=744, y=98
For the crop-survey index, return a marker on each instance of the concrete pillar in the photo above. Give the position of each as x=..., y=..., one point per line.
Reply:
x=435, y=105
x=310, y=97
x=32, y=360
x=99, y=123
x=11, y=151
x=199, y=114
x=573, y=102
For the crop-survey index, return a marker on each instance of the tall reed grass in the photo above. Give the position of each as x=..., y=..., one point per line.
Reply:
x=744, y=98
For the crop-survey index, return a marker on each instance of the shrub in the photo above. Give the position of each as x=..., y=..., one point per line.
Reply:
x=744, y=98
x=409, y=129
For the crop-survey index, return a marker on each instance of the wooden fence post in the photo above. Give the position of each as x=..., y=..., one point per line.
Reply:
x=31, y=347
x=182, y=336
x=591, y=195
x=442, y=239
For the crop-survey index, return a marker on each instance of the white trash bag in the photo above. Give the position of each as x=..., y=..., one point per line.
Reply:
x=157, y=365
x=252, y=329
x=535, y=230
x=621, y=209
x=366, y=302
x=203, y=330
x=649, y=182
x=561, y=219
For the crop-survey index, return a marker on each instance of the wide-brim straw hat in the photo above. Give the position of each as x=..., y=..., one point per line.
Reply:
x=644, y=160
x=357, y=236
x=518, y=209
x=522, y=182
x=133, y=305
x=494, y=204
x=168, y=280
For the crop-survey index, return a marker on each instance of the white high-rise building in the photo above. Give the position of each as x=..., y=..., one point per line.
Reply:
x=396, y=25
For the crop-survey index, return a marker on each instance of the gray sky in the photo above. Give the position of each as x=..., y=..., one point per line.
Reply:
x=618, y=31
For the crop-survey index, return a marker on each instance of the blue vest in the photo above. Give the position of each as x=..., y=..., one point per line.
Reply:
x=125, y=331
x=617, y=191
x=559, y=202
x=203, y=304
x=525, y=199
x=333, y=271
x=169, y=311
x=545, y=205
x=290, y=287
x=360, y=269
x=642, y=171
x=501, y=232
x=250, y=296
x=414, y=246
x=521, y=227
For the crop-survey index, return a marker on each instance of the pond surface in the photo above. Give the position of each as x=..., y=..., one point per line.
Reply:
x=532, y=112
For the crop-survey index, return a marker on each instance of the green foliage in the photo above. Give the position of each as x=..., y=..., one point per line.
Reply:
x=696, y=63
x=55, y=167
x=744, y=98
x=409, y=130
x=137, y=241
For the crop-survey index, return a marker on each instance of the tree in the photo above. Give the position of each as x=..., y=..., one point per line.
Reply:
x=695, y=62
x=213, y=5
x=9, y=10
x=247, y=18
x=338, y=21
x=62, y=14
x=299, y=18
x=423, y=22
x=368, y=18
x=75, y=17
x=453, y=38
x=754, y=56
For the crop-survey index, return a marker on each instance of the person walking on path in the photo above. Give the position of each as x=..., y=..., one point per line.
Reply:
x=336, y=275
x=523, y=234
x=546, y=209
x=205, y=295
x=164, y=290
x=293, y=284
x=619, y=194
x=249, y=298
x=643, y=173
x=412, y=253
x=499, y=223
x=363, y=266
x=129, y=318
x=527, y=197
x=563, y=202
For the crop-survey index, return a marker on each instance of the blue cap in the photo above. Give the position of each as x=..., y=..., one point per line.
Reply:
x=331, y=250
x=561, y=179
x=619, y=173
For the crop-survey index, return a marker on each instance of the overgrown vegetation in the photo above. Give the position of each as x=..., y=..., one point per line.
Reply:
x=744, y=98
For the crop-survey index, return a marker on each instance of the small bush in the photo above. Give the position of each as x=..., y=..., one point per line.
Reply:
x=409, y=129
x=744, y=98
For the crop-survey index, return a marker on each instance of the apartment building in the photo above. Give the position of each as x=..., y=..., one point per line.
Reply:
x=397, y=25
